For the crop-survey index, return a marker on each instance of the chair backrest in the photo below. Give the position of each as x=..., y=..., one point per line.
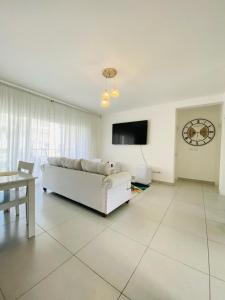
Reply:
x=25, y=166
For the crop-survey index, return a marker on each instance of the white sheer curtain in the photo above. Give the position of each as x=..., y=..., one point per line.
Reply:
x=33, y=128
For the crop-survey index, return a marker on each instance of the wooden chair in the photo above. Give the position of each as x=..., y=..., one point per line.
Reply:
x=23, y=167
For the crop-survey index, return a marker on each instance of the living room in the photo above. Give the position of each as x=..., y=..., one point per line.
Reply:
x=112, y=150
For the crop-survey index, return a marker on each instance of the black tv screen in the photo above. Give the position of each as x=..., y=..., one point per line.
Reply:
x=131, y=133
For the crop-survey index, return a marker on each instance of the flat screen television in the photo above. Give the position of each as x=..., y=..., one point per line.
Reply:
x=130, y=133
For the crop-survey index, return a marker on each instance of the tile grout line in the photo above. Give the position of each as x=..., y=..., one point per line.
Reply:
x=108, y=227
x=175, y=227
x=124, y=296
x=72, y=256
x=218, y=278
x=163, y=254
x=45, y=231
x=178, y=261
x=56, y=225
x=206, y=228
x=22, y=294
x=87, y=266
x=73, y=253
x=128, y=237
x=147, y=247
x=172, y=200
x=163, y=217
x=25, y=292
x=91, y=240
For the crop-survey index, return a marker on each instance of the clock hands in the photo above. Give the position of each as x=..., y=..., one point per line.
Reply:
x=204, y=131
x=191, y=132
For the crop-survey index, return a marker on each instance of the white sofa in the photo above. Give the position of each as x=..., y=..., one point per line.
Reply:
x=99, y=192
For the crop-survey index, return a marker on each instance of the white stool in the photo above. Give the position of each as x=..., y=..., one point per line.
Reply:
x=143, y=174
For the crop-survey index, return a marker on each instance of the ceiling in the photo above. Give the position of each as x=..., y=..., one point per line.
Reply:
x=164, y=50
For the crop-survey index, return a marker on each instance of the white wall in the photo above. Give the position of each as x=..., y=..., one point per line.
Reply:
x=160, y=151
x=222, y=155
x=201, y=163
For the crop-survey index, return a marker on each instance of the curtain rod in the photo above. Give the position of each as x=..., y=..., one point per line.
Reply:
x=33, y=92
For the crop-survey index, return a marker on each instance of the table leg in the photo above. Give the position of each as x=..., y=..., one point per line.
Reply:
x=31, y=208
x=6, y=198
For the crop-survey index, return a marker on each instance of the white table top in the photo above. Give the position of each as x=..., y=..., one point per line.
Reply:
x=16, y=178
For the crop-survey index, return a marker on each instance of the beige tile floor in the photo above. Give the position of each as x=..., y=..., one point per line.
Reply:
x=168, y=243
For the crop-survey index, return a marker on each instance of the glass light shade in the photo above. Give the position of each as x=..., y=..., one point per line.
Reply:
x=114, y=93
x=105, y=103
x=105, y=96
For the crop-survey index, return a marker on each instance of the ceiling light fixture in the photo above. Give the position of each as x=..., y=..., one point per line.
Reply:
x=109, y=73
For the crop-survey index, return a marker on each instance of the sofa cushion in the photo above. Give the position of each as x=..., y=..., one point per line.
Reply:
x=71, y=163
x=89, y=166
x=103, y=168
x=56, y=161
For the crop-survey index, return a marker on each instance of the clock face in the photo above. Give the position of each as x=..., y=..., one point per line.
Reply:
x=198, y=132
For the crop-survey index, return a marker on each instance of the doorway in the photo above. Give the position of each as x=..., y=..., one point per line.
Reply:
x=198, y=136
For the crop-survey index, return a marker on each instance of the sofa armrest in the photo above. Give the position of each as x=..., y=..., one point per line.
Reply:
x=116, y=179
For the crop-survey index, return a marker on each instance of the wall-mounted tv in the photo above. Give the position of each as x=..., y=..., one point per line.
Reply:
x=130, y=133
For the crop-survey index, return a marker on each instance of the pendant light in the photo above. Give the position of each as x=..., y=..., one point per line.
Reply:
x=109, y=73
x=105, y=103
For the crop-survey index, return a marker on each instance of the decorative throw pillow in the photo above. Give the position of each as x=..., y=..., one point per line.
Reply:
x=115, y=166
x=105, y=169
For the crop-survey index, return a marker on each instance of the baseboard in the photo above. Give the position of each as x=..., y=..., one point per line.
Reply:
x=164, y=182
x=197, y=180
x=185, y=179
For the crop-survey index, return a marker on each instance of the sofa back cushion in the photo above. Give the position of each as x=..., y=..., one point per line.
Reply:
x=103, y=168
x=71, y=163
x=65, y=162
x=97, y=167
x=56, y=161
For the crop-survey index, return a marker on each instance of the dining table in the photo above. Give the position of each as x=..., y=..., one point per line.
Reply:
x=13, y=180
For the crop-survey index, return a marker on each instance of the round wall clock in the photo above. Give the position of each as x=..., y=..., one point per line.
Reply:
x=198, y=132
